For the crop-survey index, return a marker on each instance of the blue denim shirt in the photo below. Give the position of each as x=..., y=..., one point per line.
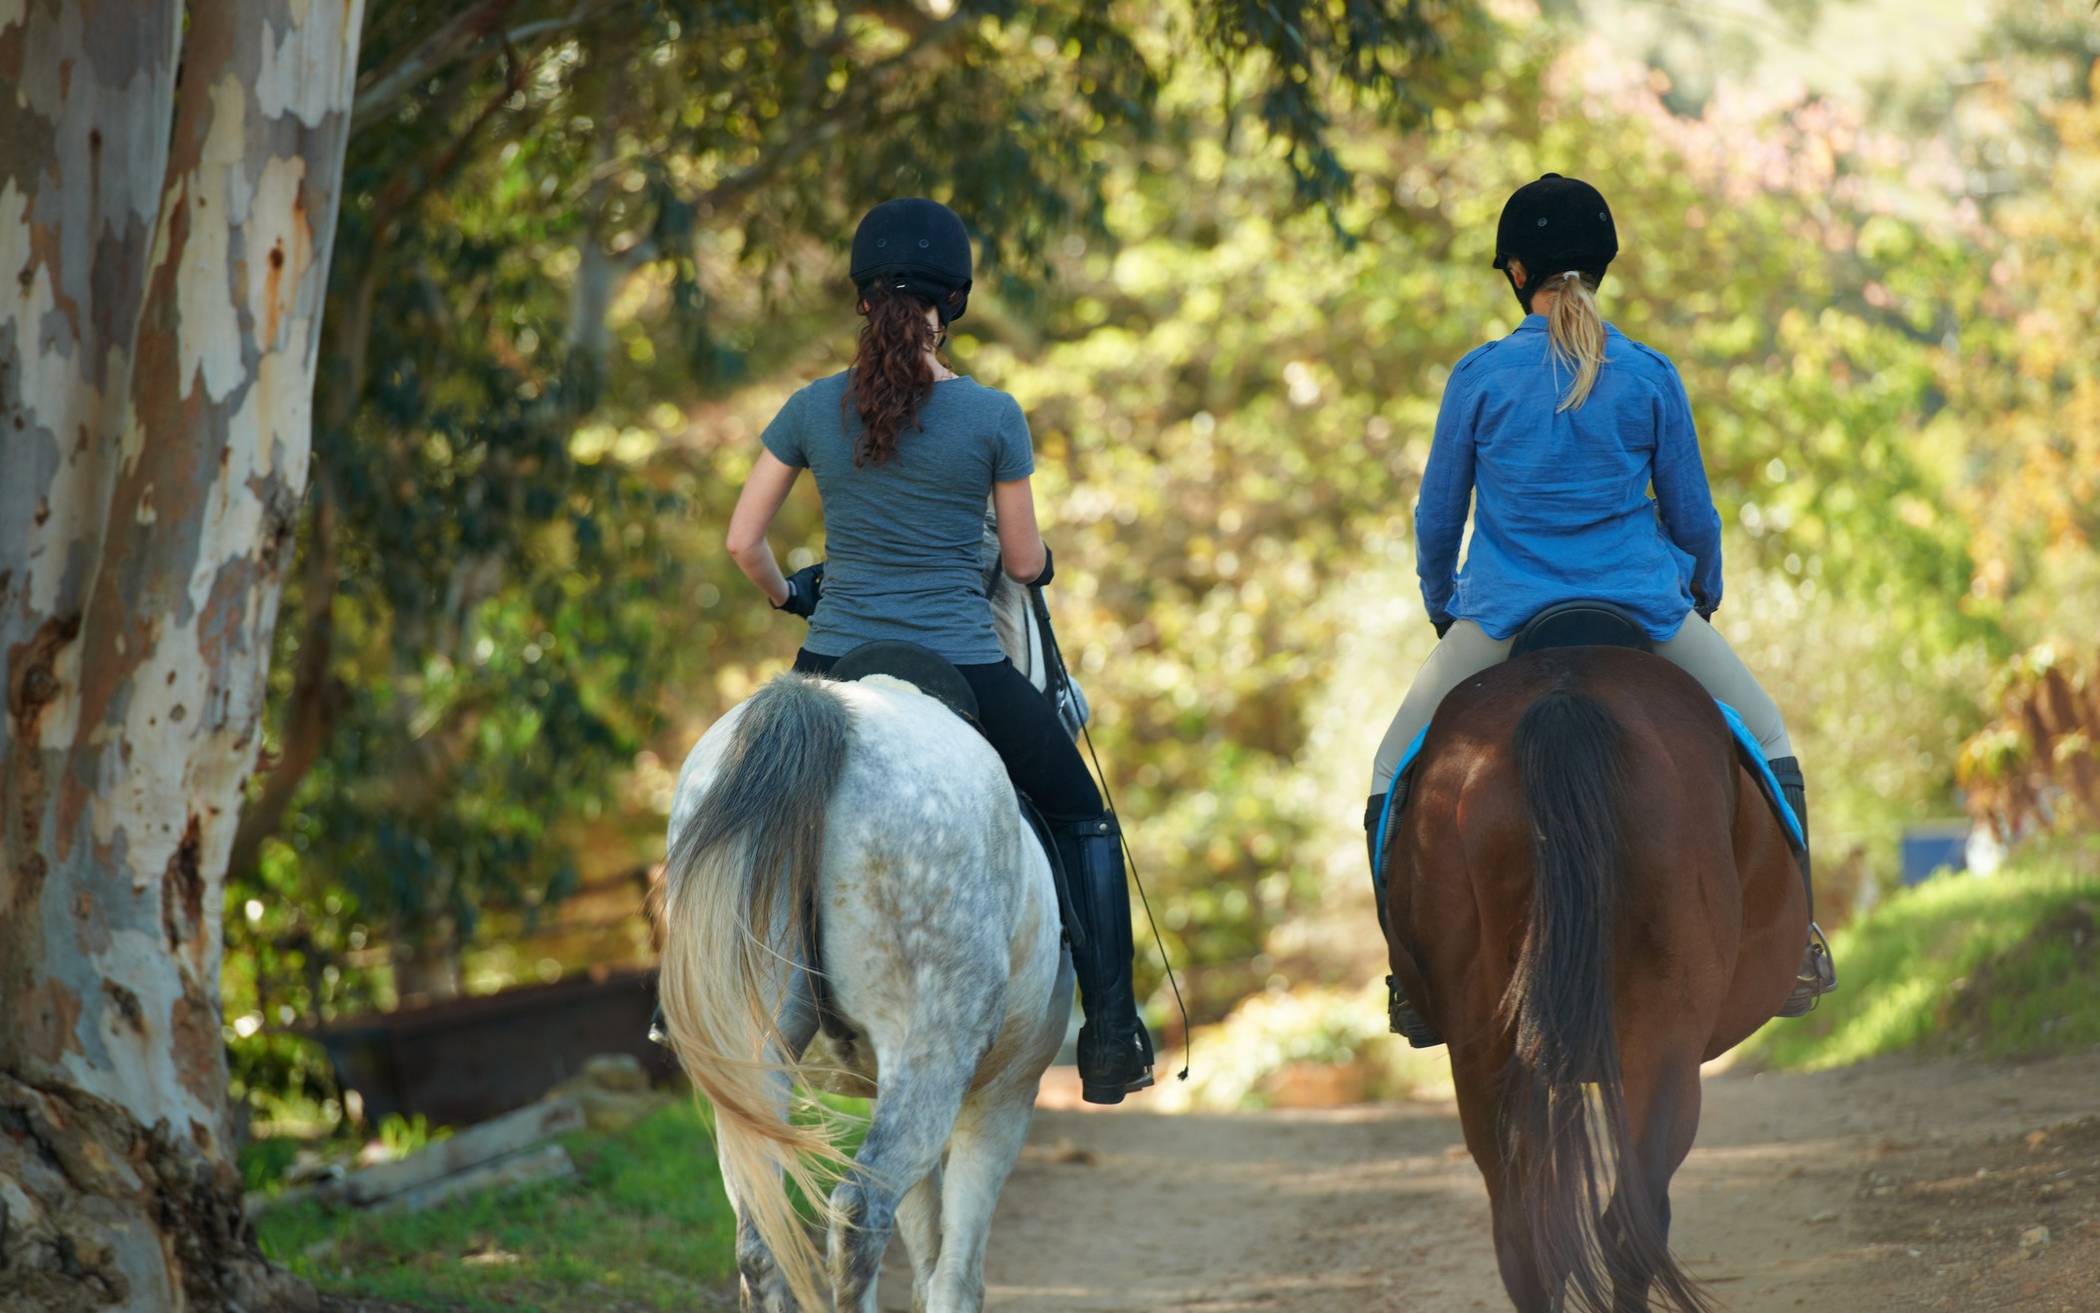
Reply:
x=1563, y=510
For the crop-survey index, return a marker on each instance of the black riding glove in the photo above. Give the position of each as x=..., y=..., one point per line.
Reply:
x=1705, y=608
x=1442, y=625
x=1049, y=570
x=805, y=586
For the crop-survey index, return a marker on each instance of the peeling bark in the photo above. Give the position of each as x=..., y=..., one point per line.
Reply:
x=166, y=243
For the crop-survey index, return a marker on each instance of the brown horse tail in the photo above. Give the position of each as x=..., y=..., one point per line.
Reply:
x=1594, y=1217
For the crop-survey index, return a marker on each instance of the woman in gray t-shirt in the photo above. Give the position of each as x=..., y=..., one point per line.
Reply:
x=904, y=452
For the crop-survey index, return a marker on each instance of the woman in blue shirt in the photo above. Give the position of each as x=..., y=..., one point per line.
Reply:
x=1555, y=435
x=905, y=453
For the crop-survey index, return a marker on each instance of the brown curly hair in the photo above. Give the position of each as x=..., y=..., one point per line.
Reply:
x=890, y=378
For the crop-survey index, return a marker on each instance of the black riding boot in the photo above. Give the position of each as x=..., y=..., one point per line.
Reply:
x=1818, y=974
x=1115, y=1053
x=1400, y=1015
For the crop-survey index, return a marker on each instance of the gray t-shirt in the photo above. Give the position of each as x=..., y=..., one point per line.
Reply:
x=902, y=539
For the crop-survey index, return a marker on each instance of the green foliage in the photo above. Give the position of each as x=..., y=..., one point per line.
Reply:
x=644, y=1224
x=401, y=1136
x=1229, y=253
x=558, y=241
x=2000, y=966
x=1233, y=412
x=265, y=1159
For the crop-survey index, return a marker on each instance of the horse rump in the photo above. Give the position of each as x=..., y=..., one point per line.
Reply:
x=1594, y=1218
x=738, y=888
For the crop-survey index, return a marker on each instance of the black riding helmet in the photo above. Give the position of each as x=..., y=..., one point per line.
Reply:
x=917, y=246
x=1554, y=225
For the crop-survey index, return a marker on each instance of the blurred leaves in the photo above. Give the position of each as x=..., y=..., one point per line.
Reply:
x=569, y=228
x=1229, y=253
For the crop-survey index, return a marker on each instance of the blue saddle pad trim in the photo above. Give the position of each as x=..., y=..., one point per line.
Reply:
x=1755, y=755
x=1385, y=812
x=1744, y=739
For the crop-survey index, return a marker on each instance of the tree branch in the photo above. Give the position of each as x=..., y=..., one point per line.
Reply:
x=467, y=30
x=830, y=121
x=476, y=34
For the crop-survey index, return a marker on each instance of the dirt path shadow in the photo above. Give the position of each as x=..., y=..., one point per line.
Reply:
x=1851, y=1192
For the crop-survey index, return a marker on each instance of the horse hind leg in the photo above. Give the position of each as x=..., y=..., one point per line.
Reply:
x=1662, y=1133
x=919, y=1226
x=915, y=1110
x=1515, y=1254
x=988, y=1139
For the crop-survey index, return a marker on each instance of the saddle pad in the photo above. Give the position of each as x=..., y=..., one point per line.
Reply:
x=1745, y=742
x=1755, y=755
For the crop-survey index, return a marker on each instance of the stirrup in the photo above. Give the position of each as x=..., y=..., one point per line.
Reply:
x=1817, y=977
x=1401, y=1017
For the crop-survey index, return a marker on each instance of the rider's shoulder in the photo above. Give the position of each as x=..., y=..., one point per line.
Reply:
x=1473, y=359
x=983, y=393
x=986, y=405
x=829, y=388
x=1646, y=360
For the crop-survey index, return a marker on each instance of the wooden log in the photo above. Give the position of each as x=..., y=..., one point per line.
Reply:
x=472, y=1148
x=549, y=1162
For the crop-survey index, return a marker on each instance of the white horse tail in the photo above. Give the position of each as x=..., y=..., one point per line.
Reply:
x=740, y=882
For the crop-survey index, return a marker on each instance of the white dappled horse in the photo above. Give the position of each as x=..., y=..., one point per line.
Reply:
x=853, y=903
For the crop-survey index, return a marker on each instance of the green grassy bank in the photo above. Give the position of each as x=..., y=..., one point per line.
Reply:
x=2003, y=966
x=642, y=1226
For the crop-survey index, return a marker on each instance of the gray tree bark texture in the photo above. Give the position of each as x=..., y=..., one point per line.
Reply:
x=165, y=246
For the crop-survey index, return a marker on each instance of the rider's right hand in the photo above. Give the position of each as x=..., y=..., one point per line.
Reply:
x=805, y=586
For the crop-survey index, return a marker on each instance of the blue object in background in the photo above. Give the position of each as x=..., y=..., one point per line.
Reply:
x=1934, y=846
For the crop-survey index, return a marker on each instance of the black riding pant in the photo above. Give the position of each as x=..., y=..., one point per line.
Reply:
x=1024, y=729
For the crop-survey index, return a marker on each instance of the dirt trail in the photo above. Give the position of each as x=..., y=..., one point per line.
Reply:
x=1895, y=1186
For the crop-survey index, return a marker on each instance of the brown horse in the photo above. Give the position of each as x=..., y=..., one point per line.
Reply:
x=1587, y=891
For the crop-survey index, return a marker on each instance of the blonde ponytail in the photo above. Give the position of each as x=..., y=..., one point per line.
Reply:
x=1575, y=332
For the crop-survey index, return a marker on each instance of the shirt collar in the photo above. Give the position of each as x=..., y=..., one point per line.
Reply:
x=1537, y=324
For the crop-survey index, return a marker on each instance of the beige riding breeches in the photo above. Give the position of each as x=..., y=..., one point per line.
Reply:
x=1698, y=649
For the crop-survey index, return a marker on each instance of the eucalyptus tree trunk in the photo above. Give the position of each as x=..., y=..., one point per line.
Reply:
x=164, y=242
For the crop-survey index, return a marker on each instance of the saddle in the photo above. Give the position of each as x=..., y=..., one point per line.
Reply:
x=922, y=668
x=1580, y=624
x=1600, y=624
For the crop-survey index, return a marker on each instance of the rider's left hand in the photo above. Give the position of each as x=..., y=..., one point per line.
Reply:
x=805, y=586
x=1442, y=624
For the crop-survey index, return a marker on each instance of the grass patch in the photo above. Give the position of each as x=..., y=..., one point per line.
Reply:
x=2004, y=966
x=643, y=1226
